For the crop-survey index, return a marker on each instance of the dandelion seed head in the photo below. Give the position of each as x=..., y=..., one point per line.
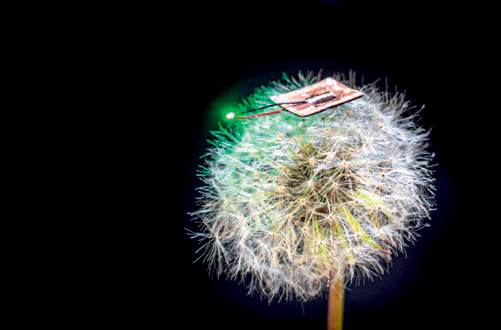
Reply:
x=289, y=204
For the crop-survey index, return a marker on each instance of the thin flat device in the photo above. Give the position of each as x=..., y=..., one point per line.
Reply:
x=316, y=98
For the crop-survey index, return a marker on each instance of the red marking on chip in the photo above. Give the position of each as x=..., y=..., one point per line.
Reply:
x=318, y=97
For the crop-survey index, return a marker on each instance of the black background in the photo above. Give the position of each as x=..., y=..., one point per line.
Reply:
x=138, y=85
x=224, y=51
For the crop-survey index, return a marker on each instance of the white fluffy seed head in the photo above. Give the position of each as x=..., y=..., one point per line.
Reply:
x=290, y=204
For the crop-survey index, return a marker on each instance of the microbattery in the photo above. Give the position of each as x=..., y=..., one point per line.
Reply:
x=317, y=97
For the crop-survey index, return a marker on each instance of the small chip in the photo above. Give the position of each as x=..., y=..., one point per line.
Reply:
x=318, y=97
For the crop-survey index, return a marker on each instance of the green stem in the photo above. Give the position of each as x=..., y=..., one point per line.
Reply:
x=336, y=305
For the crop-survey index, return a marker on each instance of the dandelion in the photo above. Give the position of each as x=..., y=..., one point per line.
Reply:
x=293, y=206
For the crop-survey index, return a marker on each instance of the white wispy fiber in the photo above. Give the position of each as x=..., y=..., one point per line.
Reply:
x=290, y=204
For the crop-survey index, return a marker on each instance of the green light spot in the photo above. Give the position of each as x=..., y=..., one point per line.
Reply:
x=230, y=115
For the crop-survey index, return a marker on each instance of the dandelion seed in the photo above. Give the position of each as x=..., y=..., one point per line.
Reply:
x=296, y=229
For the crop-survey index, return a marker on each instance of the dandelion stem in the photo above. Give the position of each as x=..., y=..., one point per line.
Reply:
x=336, y=305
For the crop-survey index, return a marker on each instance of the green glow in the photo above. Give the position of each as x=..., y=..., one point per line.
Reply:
x=230, y=115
